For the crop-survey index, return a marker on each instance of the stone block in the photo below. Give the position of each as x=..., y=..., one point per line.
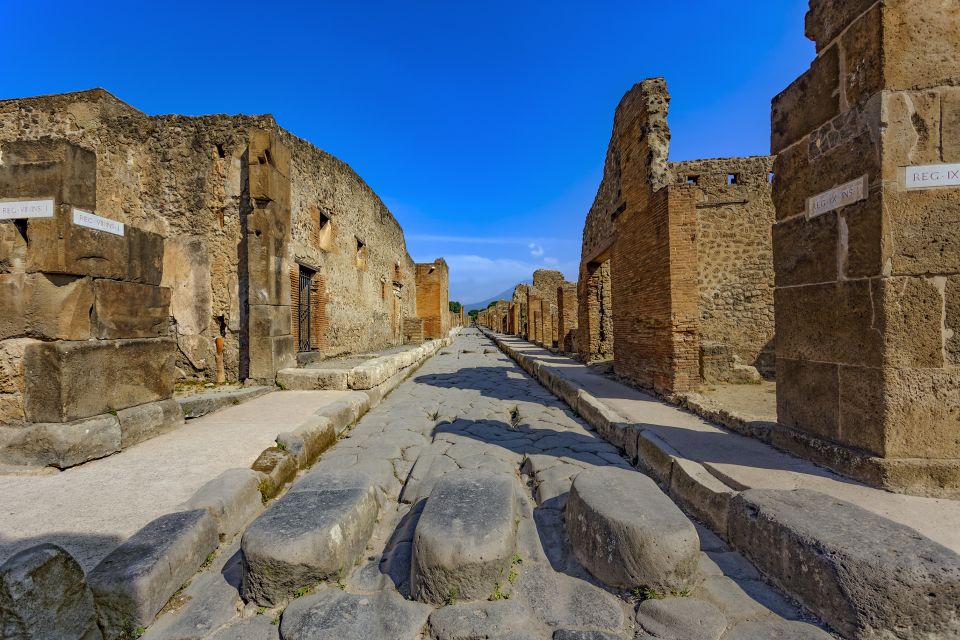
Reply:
x=270, y=354
x=58, y=246
x=911, y=312
x=922, y=414
x=49, y=168
x=201, y=404
x=806, y=250
x=43, y=595
x=827, y=19
x=149, y=420
x=924, y=229
x=146, y=250
x=310, y=439
x=59, y=386
x=465, y=538
x=315, y=531
x=864, y=575
x=920, y=44
x=848, y=330
x=862, y=46
x=808, y=396
x=309, y=379
x=130, y=310
x=267, y=320
x=655, y=455
x=47, y=306
x=186, y=272
x=627, y=533
x=11, y=364
x=232, y=498
x=809, y=102
x=136, y=579
x=13, y=248
x=701, y=493
x=951, y=323
x=332, y=614
x=60, y=444
x=950, y=121
x=278, y=468
x=686, y=618
x=267, y=231
x=11, y=408
x=864, y=246
x=911, y=130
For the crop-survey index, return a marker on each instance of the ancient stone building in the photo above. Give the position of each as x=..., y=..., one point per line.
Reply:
x=433, y=298
x=567, y=318
x=682, y=251
x=542, y=295
x=867, y=245
x=272, y=245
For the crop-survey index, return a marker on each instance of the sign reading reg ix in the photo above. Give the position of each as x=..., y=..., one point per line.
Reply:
x=932, y=175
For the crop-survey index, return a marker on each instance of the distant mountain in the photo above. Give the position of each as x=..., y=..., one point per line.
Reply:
x=483, y=304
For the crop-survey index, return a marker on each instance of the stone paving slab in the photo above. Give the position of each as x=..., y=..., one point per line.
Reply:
x=90, y=509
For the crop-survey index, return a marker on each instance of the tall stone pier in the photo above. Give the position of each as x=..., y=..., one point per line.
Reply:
x=867, y=245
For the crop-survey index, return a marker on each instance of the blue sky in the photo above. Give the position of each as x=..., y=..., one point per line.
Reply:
x=482, y=125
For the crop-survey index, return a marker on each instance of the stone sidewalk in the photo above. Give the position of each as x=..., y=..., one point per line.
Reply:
x=741, y=462
x=92, y=508
x=442, y=515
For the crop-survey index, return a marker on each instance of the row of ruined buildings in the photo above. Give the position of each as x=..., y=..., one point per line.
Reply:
x=140, y=251
x=832, y=266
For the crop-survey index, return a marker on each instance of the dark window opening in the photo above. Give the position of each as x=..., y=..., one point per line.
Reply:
x=694, y=180
x=733, y=178
x=220, y=152
x=771, y=176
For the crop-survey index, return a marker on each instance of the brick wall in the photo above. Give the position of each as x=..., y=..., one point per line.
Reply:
x=433, y=298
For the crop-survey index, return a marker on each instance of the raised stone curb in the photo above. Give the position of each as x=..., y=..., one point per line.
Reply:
x=863, y=574
x=43, y=596
x=148, y=421
x=137, y=578
x=233, y=499
x=465, y=538
x=200, y=404
x=316, y=531
x=628, y=533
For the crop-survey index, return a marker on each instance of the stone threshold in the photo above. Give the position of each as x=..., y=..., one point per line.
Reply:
x=850, y=553
x=347, y=374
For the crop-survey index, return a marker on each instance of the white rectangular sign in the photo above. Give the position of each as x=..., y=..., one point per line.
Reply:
x=853, y=191
x=93, y=221
x=933, y=175
x=19, y=209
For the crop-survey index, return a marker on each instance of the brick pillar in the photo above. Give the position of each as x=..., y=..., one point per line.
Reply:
x=567, y=317
x=867, y=266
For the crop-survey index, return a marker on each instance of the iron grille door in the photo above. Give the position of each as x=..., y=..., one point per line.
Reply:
x=303, y=312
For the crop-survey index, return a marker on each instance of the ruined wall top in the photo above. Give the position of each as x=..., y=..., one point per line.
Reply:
x=640, y=143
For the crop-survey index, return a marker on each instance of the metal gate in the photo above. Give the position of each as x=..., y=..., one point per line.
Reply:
x=303, y=312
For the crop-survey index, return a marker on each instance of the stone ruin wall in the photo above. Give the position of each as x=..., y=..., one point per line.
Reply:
x=734, y=259
x=545, y=285
x=433, y=298
x=184, y=178
x=688, y=263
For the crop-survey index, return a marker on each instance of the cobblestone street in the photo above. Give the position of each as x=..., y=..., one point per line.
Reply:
x=464, y=535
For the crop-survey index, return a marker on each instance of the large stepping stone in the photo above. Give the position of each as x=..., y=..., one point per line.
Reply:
x=465, y=538
x=628, y=533
x=137, y=578
x=332, y=614
x=864, y=575
x=682, y=619
x=43, y=595
x=316, y=531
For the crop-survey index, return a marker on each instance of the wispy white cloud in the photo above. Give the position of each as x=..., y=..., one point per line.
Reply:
x=472, y=239
x=474, y=278
x=535, y=250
